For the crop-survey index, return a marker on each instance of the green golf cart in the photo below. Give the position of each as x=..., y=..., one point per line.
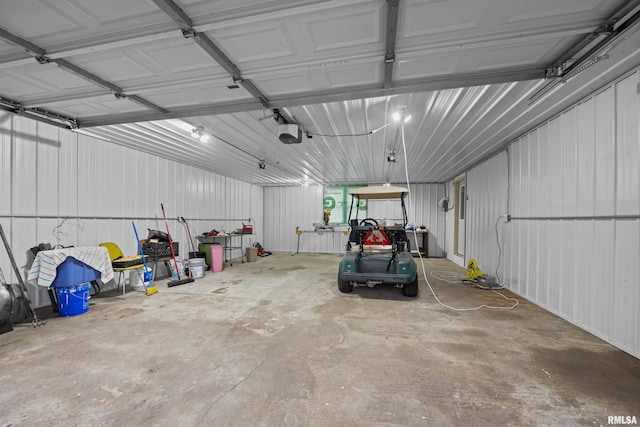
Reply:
x=378, y=253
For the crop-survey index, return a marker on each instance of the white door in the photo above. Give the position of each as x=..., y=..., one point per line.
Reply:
x=460, y=211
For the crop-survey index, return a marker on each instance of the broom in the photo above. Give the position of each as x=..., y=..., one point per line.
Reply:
x=151, y=289
x=173, y=254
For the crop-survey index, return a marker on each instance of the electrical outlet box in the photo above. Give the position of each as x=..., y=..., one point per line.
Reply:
x=488, y=281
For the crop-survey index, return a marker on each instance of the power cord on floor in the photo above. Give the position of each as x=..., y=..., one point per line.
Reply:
x=448, y=276
x=424, y=271
x=499, y=246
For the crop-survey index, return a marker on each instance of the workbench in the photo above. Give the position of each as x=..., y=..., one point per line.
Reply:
x=419, y=234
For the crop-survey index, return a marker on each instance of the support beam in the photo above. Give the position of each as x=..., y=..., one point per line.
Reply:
x=29, y=47
x=38, y=114
x=214, y=52
x=139, y=100
x=40, y=55
x=608, y=29
x=614, y=28
x=186, y=25
x=254, y=91
x=175, y=13
x=600, y=46
x=390, y=50
x=81, y=72
x=346, y=94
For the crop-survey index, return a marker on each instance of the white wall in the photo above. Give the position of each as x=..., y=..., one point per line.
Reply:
x=286, y=208
x=450, y=221
x=486, y=202
x=574, y=243
x=49, y=174
x=289, y=207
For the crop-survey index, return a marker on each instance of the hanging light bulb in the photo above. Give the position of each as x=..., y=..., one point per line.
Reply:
x=200, y=134
x=196, y=132
x=401, y=115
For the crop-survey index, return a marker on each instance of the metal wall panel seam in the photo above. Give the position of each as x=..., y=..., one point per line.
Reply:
x=574, y=218
x=614, y=252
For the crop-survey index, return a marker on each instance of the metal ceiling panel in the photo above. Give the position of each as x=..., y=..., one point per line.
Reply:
x=60, y=27
x=94, y=106
x=465, y=70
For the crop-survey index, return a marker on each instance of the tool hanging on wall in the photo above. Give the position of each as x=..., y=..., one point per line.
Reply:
x=173, y=255
x=186, y=225
x=23, y=290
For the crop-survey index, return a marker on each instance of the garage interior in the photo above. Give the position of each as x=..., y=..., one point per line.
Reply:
x=514, y=124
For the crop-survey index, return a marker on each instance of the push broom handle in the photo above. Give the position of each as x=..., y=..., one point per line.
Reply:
x=144, y=261
x=184, y=221
x=173, y=254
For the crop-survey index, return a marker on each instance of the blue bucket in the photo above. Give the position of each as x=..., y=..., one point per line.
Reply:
x=73, y=300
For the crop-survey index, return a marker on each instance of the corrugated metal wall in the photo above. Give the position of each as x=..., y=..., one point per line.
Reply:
x=574, y=243
x=423, y=210
x=49, y=174
x=486, y=202
x=286, y=208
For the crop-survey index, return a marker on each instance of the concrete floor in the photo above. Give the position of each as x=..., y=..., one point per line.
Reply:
x=274, y=343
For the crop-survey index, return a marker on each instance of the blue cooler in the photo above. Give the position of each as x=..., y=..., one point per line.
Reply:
x=72, y=288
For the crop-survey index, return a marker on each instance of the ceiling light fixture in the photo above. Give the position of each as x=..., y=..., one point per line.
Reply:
x=401, y=116
x=261, y=164
x=196, y=132
x=391, y=158
x=200, y=134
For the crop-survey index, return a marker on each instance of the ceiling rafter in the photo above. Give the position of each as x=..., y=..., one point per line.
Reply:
x=390, y=51
x=41, y=57
x=351, y=93
x=607, y=29
x=38, y=114
x=188, y=31
x=567, y=65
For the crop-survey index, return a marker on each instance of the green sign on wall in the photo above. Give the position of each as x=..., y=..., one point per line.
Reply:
x=338, y=201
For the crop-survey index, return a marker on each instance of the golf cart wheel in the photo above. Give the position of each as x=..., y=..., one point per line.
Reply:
x=410, y=289
x=344, y=286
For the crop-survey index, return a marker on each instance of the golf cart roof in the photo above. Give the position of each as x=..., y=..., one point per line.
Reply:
x=378, y=192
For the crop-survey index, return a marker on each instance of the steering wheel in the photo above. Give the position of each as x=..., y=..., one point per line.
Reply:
x=369, y=221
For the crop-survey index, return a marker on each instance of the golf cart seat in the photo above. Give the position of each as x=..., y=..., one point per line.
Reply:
x=396, y=233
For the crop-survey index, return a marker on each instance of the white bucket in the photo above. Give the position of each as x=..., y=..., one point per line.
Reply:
x=136, y=277
x=172, y=266
x=196, y=267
